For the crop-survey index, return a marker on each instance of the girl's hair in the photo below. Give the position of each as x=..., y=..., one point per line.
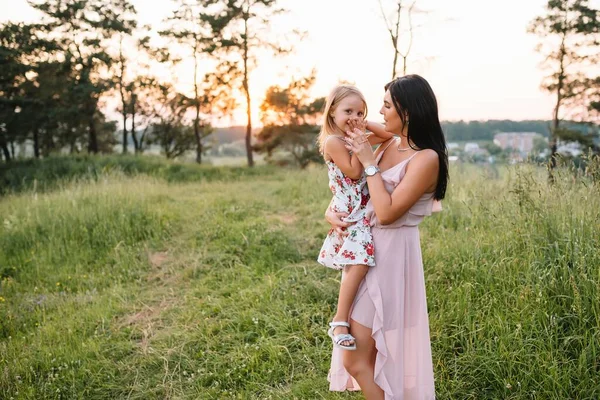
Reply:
x=416, y=105
x=338, y=94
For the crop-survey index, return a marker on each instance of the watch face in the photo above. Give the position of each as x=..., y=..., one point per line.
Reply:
x=371, y=170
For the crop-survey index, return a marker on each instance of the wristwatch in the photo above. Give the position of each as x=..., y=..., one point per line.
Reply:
x=371, y=170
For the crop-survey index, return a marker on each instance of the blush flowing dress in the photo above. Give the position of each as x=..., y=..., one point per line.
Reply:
x=391, y=302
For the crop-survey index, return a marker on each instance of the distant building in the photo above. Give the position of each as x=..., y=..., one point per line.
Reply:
x=472, y=148
x=521, y=141
x=572, y=149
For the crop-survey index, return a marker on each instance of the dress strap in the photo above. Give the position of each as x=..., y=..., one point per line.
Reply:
x=392, y=140
x=335, y=136
x=411, y=157
x=327, y=139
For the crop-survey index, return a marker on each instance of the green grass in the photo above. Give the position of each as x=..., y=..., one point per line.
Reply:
x=50, y=173
x=134, y=284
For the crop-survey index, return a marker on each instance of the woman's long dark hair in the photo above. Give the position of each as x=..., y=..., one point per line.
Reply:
x=415, y=102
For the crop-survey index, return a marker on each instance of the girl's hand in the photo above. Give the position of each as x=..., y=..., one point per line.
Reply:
x=360, y=124
x=357, y=142
x=335, y=220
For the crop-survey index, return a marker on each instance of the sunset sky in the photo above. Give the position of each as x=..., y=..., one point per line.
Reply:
x=477, y=55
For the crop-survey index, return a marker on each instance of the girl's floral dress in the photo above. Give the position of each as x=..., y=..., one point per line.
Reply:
x=350, y=197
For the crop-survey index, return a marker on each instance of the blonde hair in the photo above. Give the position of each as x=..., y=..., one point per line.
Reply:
x=336, y=95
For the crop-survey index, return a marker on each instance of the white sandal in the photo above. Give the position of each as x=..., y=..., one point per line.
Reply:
x=342, y=337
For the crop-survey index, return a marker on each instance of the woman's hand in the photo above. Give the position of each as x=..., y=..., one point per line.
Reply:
x=357, y=142
x=335, y=220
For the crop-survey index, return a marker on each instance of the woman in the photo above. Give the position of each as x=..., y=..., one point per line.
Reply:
x=405, y=177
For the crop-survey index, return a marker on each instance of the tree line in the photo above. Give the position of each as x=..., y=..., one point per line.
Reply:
x=485, y=130
x=58, y=76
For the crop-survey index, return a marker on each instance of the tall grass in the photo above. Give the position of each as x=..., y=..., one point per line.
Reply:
x=513, y=287
x=50, y=173
x=135, y=286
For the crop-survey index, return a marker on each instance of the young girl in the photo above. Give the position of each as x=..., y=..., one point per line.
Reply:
x=345, y=110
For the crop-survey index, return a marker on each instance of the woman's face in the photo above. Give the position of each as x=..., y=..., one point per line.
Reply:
x=393, y=123
x=350, y=107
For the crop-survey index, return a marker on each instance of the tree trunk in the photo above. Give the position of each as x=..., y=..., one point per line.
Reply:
x=197, y=106
x=247, y=91
x=12, y=149
x=556, y=114
x=124, y=132
x=395, y=38
x=554, y=136
x=197, y=134
x=395, y=62
x=553, y=143
x=142, y=137
x=137, y=145
x=4, y=147
x=36, y=142
x=122, y=91
x=93, y=138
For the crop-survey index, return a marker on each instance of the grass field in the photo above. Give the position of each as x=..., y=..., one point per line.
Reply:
x=123, y=278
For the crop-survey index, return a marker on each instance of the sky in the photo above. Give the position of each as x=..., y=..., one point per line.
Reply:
x=477, y=55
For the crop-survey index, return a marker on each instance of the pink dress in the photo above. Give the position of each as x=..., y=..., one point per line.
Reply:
x=391, y=301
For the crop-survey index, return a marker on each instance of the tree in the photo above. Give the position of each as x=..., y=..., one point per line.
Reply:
x=240, y=30
x=83, y=29
x=53, y=115
x=289, y=117
x=140, y=106
x=191, y=26
x=396, y=33
x=30, y=86
x=135, y=85
x=570, y=33
x=122, y=87
x=14, y=43
x=171, y=131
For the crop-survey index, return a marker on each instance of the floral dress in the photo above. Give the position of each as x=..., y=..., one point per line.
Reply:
x=351, y=197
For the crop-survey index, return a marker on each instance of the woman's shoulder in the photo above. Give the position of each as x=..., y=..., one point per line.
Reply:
x=426, y=156
x=423, y=161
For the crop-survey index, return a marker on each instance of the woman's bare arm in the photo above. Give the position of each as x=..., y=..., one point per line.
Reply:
x=420, y=178
x=335, y=220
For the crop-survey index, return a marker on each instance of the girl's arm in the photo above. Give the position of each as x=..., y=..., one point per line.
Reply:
x=379, y=135
x=349, y=164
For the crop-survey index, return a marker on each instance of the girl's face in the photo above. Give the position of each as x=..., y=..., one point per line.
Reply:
x=393, y=123
x=350, y=107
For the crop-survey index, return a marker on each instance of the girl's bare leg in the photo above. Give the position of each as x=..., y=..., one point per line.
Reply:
x=353, y=276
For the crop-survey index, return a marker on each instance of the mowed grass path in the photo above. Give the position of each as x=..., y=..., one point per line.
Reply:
x=133, y=287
